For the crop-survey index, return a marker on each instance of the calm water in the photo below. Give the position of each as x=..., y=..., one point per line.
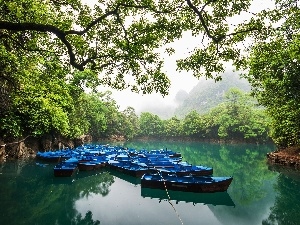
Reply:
x=30, y=194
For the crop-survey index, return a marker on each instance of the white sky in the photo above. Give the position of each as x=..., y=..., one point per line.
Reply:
x=179, y=81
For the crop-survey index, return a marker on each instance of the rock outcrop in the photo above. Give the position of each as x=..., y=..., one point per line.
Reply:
x=28, y=146
x=286, y=157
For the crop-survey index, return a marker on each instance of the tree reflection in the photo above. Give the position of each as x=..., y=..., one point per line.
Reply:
x=35, y=196
x=89, y=185
x=247, y=166
x=245, y=162
x=87, y=220
x=287, y=207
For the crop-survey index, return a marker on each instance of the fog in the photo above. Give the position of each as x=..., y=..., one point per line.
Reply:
x=156, y=103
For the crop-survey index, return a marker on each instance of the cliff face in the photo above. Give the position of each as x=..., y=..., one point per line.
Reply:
x=28, y=146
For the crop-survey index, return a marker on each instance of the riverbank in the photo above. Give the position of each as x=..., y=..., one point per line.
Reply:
x=285, y=157
x=28, y=146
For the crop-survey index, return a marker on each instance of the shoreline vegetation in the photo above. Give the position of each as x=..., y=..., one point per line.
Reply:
x=29, y=146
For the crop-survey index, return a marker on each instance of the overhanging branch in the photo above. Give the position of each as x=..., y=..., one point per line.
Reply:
x=62, y=35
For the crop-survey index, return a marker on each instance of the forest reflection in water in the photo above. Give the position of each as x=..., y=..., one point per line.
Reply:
x=30, y=194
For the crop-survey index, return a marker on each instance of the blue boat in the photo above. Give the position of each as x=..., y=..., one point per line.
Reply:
x=141, y=164
x=91, y=162
x=65, y=169
x=129, y=168
x=202, y=184
x=186, y=170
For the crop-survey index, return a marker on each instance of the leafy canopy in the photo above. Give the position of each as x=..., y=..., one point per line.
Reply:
x=119, y=42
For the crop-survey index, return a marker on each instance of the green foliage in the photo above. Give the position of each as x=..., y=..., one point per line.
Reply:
x=130, y=123
x=41, y=102
x=274, y=75
x=238, y=118
x=150, y=125
x=93, y=111
x=192, y=124
x=119, y=44
x=122, y=40
x=172, y=127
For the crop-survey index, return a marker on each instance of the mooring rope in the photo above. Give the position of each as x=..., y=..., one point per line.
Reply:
x=169, y=198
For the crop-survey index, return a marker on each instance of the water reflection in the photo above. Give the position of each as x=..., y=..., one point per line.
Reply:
x=88, y=219
x=130, y=179
x=218, y=198
x=246, y=163
x=30, y=194
x=286, y=207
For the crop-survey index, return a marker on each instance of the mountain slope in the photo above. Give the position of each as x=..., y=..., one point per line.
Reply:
x=208, y=94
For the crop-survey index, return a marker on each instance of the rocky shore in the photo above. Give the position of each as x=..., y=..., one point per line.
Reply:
x=29, y=146
x=286, y=157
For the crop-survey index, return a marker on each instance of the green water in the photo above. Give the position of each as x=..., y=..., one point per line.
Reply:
x=30, y=194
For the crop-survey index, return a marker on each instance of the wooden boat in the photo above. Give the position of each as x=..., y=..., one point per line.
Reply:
x=64, y=169
x=86, y=166
x=186, y=183
x=128, y=168
x=182, y=170
x=91, y=163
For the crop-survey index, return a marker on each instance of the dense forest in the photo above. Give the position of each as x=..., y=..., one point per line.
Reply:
x=54, y=55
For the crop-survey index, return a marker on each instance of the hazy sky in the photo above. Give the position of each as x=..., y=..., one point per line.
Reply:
x=179, y=81
x=183, y=80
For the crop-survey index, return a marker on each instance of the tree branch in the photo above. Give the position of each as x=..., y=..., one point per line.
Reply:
x=199, y=13
x=61, y=34
x=44, y=28
x=109, y=13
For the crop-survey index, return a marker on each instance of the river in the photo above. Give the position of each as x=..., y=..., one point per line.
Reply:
x=259, y=193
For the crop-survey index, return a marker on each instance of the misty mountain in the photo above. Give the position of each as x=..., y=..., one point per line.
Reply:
x=207, y=94
x=181, y=96
x=162, y=110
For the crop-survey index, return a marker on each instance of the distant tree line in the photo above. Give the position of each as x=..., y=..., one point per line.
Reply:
x=237, y=118
x=62, y=109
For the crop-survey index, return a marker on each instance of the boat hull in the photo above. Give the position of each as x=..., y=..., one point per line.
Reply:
x=186, y=183
x=129, y=170
x=178, y=172
x=86, y=166
x=64, y=171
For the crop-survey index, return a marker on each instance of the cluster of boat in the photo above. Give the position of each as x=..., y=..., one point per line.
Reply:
x=160, y=169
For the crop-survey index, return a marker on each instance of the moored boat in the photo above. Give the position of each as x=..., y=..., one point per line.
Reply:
x=186, y=183
x=64, y=169
x=85, y=166
x=181, y=170
x=128, y=168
